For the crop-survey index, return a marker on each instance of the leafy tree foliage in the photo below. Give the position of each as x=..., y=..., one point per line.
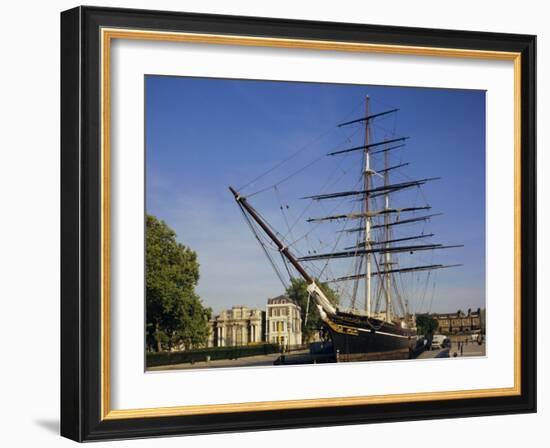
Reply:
x=297, y=291
x=176, y=316
x=426, y=325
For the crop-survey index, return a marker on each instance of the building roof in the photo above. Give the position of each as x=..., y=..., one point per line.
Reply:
x=454, y=315
x=242, y=311
x=282, y=299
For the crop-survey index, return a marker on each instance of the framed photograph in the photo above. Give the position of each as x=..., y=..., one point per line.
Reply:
x=276, y=224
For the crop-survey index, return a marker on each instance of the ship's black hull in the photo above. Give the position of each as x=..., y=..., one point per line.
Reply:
x=354, y=335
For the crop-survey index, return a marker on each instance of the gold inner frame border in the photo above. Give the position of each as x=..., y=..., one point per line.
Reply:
x=107, y=35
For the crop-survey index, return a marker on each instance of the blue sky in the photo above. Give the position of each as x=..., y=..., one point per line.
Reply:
x=203, y=135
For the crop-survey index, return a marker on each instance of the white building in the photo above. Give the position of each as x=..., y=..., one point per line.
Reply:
x=236, y=327
x=283, y=322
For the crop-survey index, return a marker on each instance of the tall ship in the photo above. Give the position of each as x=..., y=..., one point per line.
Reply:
x=377, y=323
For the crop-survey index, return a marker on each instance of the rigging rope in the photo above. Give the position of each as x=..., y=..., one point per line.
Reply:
x=298, y=151
x=323, y=189
x=380, y=283
x=319, y=223
x=273, y=168
x=287, y=177
x=267, y=254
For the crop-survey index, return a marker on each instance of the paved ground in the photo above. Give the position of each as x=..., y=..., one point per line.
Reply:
x=260, y=360
x=429, y=354
x=470, y=349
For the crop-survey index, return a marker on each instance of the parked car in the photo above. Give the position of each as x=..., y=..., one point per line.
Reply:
x=438, y=341
x=476, y=337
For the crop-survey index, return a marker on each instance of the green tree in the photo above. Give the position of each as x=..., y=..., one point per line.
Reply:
x=426, y=325
x=297, y=291
x=175, y=313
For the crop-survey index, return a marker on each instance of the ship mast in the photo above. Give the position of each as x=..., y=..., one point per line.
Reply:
x=387, y=237
x=367, y=174
x=366, y=246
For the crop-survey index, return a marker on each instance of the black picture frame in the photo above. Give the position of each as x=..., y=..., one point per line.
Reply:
x=81, y=382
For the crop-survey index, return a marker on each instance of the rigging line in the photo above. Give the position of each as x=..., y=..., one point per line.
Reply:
x=324, y=188
x=307, y=308
x=425, y=287
x=319, y=223
x=381, y=298
x=254, y=231
x=398, y=299
x=402, y=300
x=402, y=286
x=373, y=191
x=311, y=143
x=382, y=103
x=315, y=269
x=409, y=178
x=358, y=267
x=358, y=260
x=326, y=185
x=257, y=234
x=273, y=168
x=287, y=177
x=344, y=294
x=423, y=284
x=433, y=293
x=382, y=285
x=266, y=241
x=269, y=257
x=312, y=266
x=399, y=279
x=371, y=145
x=334, y=248
x=383, y=128
x=283, y=212
x=267, y=224
x=285, y=262
x=298, y=219
x=378, y=298
x=368, y=118
x=423, y=298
